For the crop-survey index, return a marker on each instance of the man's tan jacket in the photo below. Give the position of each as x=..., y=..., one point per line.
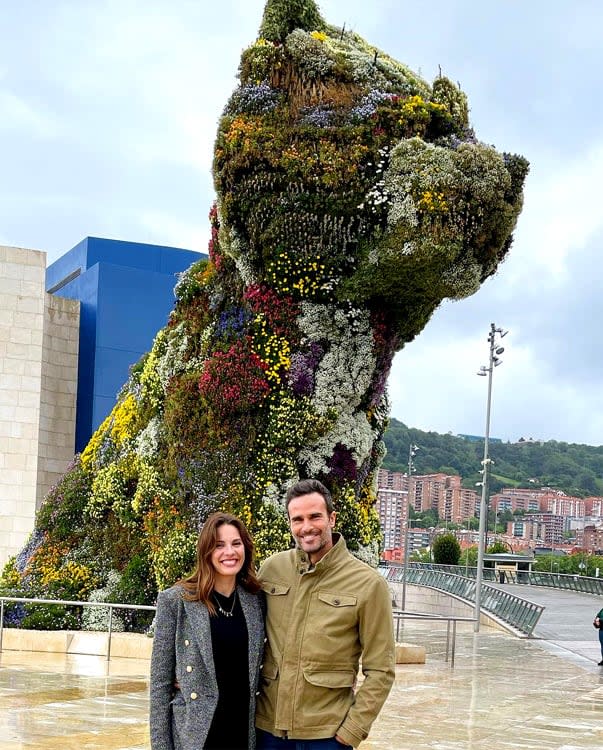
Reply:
x=320, y=623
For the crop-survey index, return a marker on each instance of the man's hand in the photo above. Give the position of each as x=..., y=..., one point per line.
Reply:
x=341, y=742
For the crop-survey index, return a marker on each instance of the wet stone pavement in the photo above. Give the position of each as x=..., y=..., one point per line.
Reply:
x=503, y=692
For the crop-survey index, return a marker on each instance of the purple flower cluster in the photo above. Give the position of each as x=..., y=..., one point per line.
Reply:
x=25, y=554
x=368, y=105
x=302, y=369
x=14, y=615
x=320, y=116
x=231, y=322
x=252, y=99
x=341, y=464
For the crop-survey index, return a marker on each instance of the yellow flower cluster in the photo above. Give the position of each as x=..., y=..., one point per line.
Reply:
x=273, y=350
x=152, y=393
x=89, y=456
x=240, y=132
x=117, y=427
x=296, y=276
x=292, y=423
x=124, y=417
x=319, y=35
x=433, y=202
x=78, y=578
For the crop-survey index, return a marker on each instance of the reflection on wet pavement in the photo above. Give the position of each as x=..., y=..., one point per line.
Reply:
x=502, y=693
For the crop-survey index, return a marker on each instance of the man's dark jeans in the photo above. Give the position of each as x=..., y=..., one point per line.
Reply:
x=267, y=741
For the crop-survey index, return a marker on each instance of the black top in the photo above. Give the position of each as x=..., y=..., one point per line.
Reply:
x=230, y=726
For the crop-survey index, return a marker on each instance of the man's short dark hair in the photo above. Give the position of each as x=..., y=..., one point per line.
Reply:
x=307, y=487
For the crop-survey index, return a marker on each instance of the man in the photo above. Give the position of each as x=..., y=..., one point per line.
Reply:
x=326, y=612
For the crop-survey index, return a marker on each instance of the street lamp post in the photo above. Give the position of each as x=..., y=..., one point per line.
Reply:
x=412, y=451
x=493, y=362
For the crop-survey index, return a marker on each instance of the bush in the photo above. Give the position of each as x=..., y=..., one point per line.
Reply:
x=446, y=550
x=50, y=617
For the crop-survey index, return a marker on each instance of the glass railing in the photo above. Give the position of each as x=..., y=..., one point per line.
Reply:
x=517, y=612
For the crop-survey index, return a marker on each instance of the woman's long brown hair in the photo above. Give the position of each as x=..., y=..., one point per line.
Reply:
x=198, y=587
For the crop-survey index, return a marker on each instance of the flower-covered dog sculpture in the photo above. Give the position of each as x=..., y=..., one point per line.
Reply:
x=352, y=198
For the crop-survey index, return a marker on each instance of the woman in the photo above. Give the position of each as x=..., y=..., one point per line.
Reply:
x=209, y=639
x=598, y=623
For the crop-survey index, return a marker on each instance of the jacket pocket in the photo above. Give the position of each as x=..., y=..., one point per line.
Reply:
x=338, y=678
x=337, y=600
x=274, y=589
x=327, y=695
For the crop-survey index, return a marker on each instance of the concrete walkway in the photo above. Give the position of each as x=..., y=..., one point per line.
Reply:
x=504, y=693
x=567, y=622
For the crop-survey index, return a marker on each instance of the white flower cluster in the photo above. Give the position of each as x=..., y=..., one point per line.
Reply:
x=341, y=381
x=368, y=554
x=97, y=618
x=172, y=360
x=309, y=53
x=147, y=441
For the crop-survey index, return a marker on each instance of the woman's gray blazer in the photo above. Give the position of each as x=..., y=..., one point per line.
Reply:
x=182, y=651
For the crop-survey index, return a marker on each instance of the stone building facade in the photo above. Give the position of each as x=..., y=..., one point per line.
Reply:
x=39, y=336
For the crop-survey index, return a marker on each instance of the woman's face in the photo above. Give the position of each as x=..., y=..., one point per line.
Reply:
x=229, y=555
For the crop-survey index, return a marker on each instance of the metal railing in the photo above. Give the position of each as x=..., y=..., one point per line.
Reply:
x=450, y=620
x=569, y=581
x=517, y=612
x=107, y=605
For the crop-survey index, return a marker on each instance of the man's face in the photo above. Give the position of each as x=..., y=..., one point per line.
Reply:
x=311, y=525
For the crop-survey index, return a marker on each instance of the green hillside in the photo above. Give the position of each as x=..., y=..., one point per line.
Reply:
x=575, y=469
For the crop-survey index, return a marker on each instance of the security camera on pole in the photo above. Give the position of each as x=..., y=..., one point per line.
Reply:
x=494, y=361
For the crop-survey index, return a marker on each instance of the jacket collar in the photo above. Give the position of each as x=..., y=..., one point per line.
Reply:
x=336, y=554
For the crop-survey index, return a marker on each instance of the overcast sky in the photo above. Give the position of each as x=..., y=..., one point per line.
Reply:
x=108, y=110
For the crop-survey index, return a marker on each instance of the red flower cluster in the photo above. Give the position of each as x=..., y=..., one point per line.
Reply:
x=233, y=380
x=281, y=312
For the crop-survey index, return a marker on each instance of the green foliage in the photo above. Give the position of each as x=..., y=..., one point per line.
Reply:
x=446, y=550
x=469, y=557
x=50, y=617
x=497, y=548
x=62, y=510
x=576, y=469
x=281, y=17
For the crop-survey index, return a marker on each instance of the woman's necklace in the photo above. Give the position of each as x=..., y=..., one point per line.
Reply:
x=221, y=610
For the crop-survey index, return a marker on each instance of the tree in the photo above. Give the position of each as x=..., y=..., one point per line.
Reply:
x=446, y=550
x=497, y=548
x=469, y=557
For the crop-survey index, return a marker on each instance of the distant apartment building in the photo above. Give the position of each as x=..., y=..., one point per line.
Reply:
x=444, y=494
x=543, y=528
x=440, y=492
x=527, y=500
x=393, y=511
x=593, y=507
x=590, y=538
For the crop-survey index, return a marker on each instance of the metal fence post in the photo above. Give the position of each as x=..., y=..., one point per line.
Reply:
x=110, y=628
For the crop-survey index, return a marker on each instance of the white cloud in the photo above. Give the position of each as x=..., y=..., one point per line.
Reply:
x=17, y=114
x=165, y=229
x=563, y=211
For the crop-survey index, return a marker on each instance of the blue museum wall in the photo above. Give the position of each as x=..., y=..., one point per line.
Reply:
x=126, y=291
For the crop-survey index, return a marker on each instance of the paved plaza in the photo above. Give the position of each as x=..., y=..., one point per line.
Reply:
x=503, y=693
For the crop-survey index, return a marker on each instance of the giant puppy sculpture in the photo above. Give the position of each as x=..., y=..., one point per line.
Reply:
x=352, y=198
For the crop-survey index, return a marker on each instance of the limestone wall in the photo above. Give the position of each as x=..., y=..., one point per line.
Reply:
x=22, y=274
x=58, y=391
x=38, y=371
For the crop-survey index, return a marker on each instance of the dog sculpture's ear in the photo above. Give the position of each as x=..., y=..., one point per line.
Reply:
x=281, y=17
